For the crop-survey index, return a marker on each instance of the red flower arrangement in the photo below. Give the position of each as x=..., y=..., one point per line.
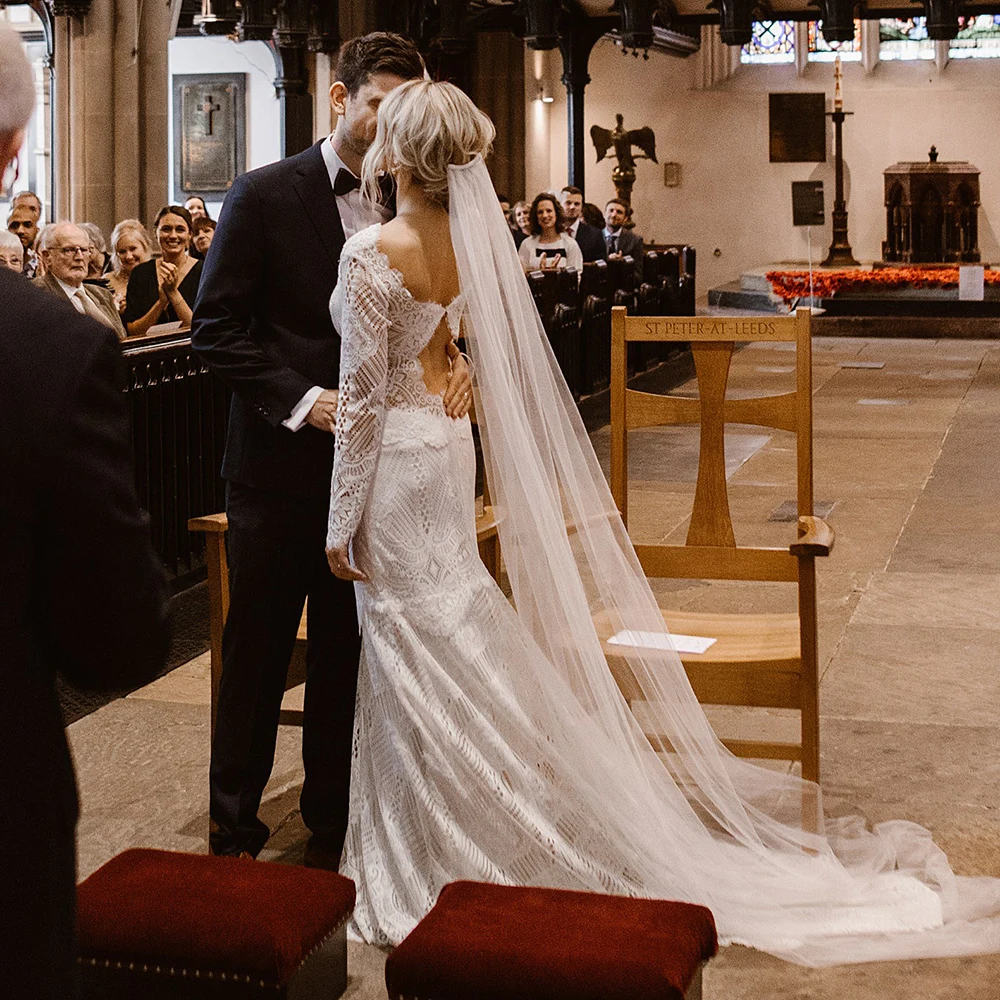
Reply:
x=790, y=285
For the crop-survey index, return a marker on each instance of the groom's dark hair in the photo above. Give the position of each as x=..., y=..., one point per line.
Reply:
x=377, y=52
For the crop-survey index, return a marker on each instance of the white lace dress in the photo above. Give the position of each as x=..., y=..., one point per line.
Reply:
x=473, y=758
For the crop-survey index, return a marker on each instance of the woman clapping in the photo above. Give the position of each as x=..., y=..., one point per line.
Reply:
x=164, y=290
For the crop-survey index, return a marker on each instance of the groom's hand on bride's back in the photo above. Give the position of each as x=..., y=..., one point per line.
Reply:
x=323, y=415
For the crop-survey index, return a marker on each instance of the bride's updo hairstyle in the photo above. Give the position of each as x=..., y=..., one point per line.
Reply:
x=423, y=128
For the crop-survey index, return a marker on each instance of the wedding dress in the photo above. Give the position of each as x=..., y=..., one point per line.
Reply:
x=491, y=741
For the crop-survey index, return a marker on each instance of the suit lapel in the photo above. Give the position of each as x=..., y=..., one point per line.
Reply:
x=312, y=185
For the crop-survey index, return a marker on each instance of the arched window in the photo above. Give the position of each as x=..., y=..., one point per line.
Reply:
x=904, y=38
x=978, y=38
x=771, y=42
x=820, y=50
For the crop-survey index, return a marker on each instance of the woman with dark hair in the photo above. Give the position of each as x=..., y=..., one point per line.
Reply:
x=197, y=207
x=549, y=245
x=164, y=290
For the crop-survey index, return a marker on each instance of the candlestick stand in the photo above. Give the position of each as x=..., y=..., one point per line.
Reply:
x=840, y=254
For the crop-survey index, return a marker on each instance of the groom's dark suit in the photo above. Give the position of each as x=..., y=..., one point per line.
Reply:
x=262, y=323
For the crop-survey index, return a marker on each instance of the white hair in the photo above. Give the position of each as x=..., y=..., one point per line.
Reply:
x=10, y=242
x=48, y=234
x=96, y=236
x=17, y=85
x=423, y=128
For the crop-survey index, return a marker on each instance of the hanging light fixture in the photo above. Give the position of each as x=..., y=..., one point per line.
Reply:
x=541, y=28
x=838, y=19
x=735, y=20
x=217, y=17
x=942, y=18
x=637, y=22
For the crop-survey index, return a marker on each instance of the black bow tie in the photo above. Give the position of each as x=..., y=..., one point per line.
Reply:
x=345, y=182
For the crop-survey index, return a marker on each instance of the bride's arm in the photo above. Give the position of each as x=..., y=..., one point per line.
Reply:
x=361, y=404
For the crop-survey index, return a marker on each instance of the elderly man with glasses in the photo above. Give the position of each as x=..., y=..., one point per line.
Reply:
x=65, y=251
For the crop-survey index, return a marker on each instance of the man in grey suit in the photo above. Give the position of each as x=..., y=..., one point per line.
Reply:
x=617, y=239
x=65, y=249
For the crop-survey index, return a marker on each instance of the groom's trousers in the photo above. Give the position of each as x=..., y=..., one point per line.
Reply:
x=276, y=551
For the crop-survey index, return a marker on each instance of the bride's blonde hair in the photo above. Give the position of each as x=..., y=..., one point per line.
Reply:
x=423, y=128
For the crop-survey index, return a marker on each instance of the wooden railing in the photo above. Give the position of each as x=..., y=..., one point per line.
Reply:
x=179, y=415
x=180, y=410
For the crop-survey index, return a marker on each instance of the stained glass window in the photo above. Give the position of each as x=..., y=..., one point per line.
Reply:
x=820, y=50
x=771, y=42
x=904, y=38
x=978, y=38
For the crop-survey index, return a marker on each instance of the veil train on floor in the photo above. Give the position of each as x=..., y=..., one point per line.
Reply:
x=754, y=844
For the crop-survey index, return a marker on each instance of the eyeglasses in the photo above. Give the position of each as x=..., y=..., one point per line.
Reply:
x=72, y=251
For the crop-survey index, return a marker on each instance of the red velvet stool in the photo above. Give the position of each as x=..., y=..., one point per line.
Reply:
x=154, y=925
x=494, y=942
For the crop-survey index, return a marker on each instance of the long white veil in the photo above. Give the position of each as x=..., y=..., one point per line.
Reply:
x=750, y=843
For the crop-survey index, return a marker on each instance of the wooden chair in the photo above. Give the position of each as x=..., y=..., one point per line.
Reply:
x=214, y=527
x=758, y=660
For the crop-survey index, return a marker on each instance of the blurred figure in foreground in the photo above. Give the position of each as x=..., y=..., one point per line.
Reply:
x=80, y=587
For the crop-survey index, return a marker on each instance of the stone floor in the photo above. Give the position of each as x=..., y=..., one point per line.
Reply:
x=907, y=454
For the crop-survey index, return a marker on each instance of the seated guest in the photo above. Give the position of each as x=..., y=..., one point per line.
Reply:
x=522, y=221
x=65, y=248
x=164, y=290
x=590, y=239
x=11, y=252
x=22, y=223
x=129, y=246
x=548, y=246
x=593, y=216
x=98, y=252
x=31, y=201
x=621, y=242
x=196, y=206
x=505, y=205
x=201, y=237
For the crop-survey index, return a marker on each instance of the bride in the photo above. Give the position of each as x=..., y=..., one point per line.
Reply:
x=491, y=741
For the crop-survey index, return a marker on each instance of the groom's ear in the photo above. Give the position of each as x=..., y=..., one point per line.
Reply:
x=338, y=98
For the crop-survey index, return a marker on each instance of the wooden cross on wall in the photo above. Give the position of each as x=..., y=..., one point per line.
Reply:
x=208, y=108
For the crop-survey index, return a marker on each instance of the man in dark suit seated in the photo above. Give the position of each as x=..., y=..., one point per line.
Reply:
x=65, y=250
x=621, y=242
x=591, y=245
x=262, y=324
x=80, y=588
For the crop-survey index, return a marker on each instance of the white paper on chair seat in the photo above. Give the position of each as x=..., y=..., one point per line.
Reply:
x=661, y=640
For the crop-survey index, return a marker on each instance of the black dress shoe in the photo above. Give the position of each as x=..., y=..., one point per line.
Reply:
x=317, y=856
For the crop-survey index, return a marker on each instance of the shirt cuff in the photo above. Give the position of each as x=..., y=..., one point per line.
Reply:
x=297, y=417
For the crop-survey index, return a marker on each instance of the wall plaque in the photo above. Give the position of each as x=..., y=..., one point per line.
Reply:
x=798, y=128
x=209, y=133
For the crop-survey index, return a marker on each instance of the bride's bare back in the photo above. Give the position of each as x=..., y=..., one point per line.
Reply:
x=418, y=246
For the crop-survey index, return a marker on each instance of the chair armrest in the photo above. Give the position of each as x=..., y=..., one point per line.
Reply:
x=210, y=523
x=815, y=538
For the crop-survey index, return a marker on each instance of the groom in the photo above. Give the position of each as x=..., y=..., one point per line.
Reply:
x=262, y=323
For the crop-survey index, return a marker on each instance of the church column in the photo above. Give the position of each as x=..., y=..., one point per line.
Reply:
x=110, y=108
x=577, y=35
x=291, y=82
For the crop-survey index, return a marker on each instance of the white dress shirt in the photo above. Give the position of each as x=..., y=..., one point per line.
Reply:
x=573, y=227
x=356, y=213
x=71, y=294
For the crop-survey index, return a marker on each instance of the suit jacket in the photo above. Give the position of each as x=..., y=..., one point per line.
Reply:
x=262, y=320
x=629, y=244
x=100, y=297
x=591, y=241
x=80, y=588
